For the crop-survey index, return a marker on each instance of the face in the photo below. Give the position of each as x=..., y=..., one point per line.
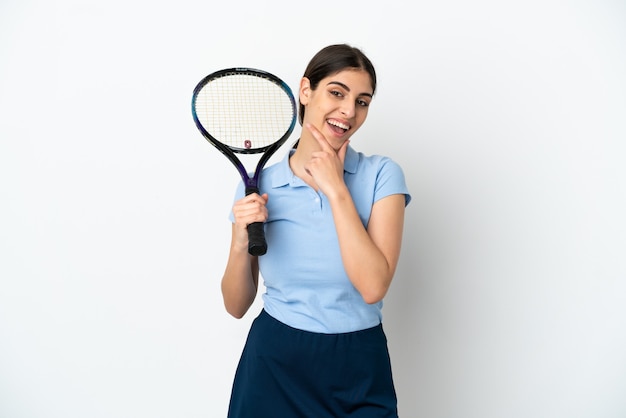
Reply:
x=338, y=106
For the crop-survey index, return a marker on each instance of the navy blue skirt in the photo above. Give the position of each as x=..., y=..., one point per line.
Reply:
x=289, y=373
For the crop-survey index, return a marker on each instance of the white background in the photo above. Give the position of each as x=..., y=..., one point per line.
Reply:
x=509, y=119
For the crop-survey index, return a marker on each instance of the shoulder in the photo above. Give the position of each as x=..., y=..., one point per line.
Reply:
x=377, y=164
x=276, y=174
x=385, y=173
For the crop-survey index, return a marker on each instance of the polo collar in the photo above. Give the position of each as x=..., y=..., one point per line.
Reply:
x=285, y=176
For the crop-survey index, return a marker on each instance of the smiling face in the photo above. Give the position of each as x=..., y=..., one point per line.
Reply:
x=339, y=105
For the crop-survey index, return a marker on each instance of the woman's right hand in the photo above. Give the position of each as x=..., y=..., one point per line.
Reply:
x=250, y=209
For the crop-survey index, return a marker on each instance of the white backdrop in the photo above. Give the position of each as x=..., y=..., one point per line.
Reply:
x=509, y=119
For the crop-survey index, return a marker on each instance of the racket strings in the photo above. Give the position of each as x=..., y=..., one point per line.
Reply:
x=244, y=111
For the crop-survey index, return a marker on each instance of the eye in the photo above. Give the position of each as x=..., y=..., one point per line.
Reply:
x=336, y=93
x=362, y=103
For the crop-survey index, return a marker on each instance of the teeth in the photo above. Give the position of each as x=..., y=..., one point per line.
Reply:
x=339, y=124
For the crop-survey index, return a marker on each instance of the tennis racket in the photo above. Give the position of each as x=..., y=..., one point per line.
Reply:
x=245, y=111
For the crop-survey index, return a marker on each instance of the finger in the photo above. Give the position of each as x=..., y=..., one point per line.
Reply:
x=250, y=205
x=255, y=197
x=247, y=214
x=321, y=139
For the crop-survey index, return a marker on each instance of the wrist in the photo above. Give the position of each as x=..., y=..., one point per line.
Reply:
x=338, y=194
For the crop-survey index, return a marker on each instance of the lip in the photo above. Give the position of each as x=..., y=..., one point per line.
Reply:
x=339, y=123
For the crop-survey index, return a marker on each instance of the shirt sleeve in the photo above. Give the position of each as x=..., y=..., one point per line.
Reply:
x=390, y=180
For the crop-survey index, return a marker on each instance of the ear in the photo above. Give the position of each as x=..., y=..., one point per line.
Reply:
x=305, y=90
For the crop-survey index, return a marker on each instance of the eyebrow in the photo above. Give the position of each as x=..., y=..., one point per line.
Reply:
x=348, y=88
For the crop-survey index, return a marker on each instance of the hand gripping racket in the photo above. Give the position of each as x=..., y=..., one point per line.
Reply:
x=245, y=111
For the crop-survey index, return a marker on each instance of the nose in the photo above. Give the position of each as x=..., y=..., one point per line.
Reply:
x=347, y=109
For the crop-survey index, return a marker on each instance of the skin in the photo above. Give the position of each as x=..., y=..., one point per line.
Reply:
x=370, y=256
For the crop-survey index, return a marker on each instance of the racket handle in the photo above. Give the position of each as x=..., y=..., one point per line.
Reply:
x=256, y=239
x=256, y=233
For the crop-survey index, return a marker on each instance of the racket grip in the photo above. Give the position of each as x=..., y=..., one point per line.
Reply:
x=256, y=239
x=256, y=233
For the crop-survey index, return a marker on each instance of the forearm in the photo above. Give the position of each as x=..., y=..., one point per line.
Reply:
x=369, y=268
x=239, y=283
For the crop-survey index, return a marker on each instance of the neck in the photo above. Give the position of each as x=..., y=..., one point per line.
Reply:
x=298, y=160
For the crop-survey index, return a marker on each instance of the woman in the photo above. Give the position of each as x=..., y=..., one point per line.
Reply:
x=333, y=220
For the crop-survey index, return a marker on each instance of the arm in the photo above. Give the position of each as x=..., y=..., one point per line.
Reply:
x=241, y=276
x=369, y=256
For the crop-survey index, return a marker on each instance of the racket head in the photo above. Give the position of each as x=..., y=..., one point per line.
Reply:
x=244, y=110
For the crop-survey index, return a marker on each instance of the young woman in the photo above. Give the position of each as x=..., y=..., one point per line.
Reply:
x=333, y=221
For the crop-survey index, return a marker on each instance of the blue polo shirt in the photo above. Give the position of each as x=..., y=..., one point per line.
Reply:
x=306, y=284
